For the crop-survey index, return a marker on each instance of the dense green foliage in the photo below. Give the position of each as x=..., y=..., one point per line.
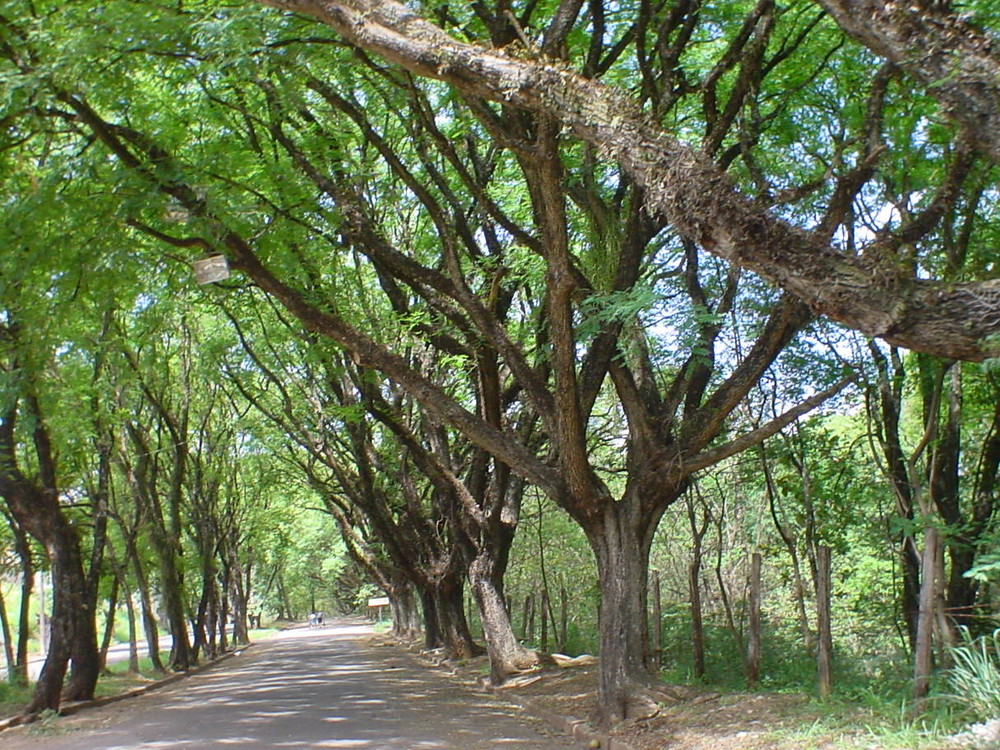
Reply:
x=448, y=321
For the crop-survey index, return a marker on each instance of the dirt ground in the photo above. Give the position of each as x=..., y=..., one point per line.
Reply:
x=688, y=718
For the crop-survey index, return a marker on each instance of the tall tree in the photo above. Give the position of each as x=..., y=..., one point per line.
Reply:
x=867, y=293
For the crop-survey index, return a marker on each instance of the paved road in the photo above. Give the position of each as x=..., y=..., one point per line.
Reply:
x=331, y=687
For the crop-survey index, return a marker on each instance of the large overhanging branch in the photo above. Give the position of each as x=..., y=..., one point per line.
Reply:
x=866, y=293
x=959, y=64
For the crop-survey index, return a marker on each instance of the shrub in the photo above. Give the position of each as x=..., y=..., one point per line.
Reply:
x=974, y=680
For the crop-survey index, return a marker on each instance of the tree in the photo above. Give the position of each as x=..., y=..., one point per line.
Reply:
x=955, y=60
x=582, y=289
x=868, y=293
x=33, y=498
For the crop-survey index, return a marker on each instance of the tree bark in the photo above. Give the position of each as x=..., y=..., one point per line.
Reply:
x=697, y=625
x=824, y=652
x=753, y=624
x=36, y=509
x=445, y=622
x=26, y=559
x=507, y=655
x=923, y=657
x=656, y=623
x=405, y=614
x=109, y=621
x=149, y=625
x=8, y=641
x=621, y=549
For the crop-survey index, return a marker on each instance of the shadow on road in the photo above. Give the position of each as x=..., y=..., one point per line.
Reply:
x=329, y=687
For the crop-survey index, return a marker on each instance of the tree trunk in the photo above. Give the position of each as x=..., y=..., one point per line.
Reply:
x=753, y=625
x=923, y=656
x=432, y=632
x=544, y=640
x=622, y=553
x=204, y=628
x=150, y=628
x=133, y=644
x=109, y=622
x=531, y=607
x=8, y=640
x=563, y=618
x=824, y=652
x=452, y=625
x=70, y=581
x=238, y=603
x=507, y=655
x=23, y=625
x=182, y=657
x=656, y=624
x=697, y=626
x=405, y=614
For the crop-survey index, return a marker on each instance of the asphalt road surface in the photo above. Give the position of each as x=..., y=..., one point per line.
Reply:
x=330, y=687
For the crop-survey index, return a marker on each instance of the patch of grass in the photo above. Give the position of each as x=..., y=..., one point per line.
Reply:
x=46, y=725
x=13, y=698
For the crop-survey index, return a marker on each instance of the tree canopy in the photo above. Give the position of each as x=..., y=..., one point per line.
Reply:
x=589, y=251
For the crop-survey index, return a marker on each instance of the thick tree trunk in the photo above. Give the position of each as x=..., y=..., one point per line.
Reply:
x=405, y=613
x=432, y=632
x=507, y=655
x=69, y=581
x=622, y=552
x=73, y=632
x=452, y=625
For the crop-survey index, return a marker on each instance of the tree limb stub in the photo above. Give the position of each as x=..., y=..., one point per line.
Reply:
x=946, y=319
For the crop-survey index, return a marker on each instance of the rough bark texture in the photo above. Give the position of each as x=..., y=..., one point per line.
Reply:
x=405, y=613
x=621, y=547
x=866, y=292
x=507, y=655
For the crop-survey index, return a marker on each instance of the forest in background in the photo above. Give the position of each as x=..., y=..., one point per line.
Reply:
x=657, y=330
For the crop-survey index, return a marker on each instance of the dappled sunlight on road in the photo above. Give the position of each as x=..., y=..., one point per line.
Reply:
x=314, y=688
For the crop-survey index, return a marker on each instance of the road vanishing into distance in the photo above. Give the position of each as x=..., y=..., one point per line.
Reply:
x=329, y=687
